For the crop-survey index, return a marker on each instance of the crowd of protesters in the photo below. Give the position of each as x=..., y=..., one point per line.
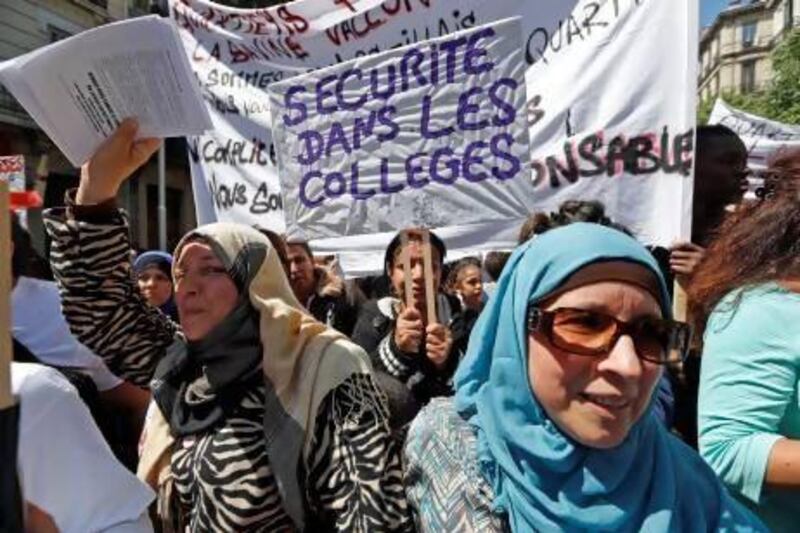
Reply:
x=551, y=390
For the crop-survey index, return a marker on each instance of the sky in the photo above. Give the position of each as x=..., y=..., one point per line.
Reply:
x=709, y=10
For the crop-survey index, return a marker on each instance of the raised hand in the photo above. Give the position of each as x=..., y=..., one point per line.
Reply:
x=408, y=330
x=113, y=162
x=684, y=258
x=438, y=342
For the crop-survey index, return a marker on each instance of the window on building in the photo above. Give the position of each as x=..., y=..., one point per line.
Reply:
x=716, y=84
x=56, y=34
x=748, y=34
x=142, y=7
x=788, y=14
x=748, y=76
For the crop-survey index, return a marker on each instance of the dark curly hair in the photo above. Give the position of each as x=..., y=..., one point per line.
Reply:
x=759, y=242
x=581, y=211
x=536, y=224
x=494, y=262
x=568, y=212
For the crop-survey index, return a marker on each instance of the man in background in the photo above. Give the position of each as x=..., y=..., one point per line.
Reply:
x=320, y=290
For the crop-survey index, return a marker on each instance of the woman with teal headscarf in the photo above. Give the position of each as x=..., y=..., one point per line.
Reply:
x=551, y=428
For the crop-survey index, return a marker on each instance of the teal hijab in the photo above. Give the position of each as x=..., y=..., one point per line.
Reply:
x=542, y=479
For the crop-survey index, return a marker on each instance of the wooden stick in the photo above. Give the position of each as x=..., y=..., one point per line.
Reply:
x=680, y=302
x=6, y=399
x=407, y=279
x=427, y=265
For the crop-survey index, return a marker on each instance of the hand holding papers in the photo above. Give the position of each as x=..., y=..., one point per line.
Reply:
x=114, y=161
x=80, y=89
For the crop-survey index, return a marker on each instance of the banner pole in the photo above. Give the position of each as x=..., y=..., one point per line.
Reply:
x=427, y=265
x=162, y=198
x=407, y=281
x=6, y=399
x=680, y=302
x=11, y=510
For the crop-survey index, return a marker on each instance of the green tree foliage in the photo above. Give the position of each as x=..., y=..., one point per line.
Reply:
x=783, y=95
x=780, y=100
x=755, y=103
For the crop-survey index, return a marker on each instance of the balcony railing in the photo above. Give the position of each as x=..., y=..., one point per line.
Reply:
x=99, y=7
x=739, y=46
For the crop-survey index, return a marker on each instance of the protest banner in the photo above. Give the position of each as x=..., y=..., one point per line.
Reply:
x=761, y=136
x=610, y=108
x=428, y=135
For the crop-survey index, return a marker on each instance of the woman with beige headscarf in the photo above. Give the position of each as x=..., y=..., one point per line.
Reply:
x=263, y=418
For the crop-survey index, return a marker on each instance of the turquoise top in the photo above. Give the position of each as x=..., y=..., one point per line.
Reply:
x=749, y=394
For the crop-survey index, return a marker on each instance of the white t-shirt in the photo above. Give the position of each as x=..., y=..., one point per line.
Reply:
x=65, y=466
x=40, y=326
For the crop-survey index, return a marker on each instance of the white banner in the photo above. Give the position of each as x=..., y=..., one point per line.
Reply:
x=761, y=136
x=610, y=111
x=428, y=135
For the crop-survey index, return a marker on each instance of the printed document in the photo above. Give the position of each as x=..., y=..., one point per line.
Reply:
x=78, y=90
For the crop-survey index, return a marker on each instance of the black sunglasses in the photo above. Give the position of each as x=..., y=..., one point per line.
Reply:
x=592, y=333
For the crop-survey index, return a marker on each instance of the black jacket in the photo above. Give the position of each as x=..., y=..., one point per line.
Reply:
x=410, y=380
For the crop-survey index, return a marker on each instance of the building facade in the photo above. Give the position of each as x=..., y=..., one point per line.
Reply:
x=26, y=25
x=735, y=49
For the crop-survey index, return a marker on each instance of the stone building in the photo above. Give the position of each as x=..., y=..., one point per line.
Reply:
x=735, y=49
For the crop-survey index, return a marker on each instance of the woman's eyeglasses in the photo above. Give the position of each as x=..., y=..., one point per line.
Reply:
x=585, y=332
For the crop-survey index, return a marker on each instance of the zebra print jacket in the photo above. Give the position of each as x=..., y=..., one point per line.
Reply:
x=222, y=479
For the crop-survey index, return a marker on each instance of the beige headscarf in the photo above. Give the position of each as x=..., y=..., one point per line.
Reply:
x=303, y=360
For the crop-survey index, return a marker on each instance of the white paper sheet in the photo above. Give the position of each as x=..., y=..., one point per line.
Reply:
x=78, y=90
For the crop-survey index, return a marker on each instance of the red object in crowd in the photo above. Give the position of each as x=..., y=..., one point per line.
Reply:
x=25, y=200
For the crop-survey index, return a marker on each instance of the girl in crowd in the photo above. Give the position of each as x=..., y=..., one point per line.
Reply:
x=464, y=280
x=551, y=427
x=414, y=355
x=746, y=295
x=264, y=419
x=153, y=271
